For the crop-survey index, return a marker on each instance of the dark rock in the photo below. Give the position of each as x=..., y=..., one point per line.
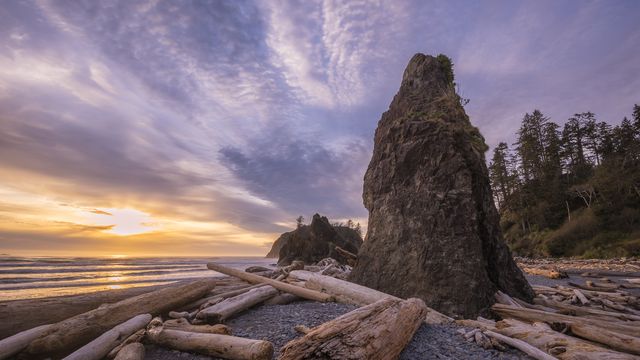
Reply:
x=314, y=242
x=433, y=227
x=278, y=244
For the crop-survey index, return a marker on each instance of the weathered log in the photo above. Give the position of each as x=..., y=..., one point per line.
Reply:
x=548, y=273
x=523, y=346
x=345, y=291
x=256, y=279
x=614, y=340
x=583, y=299
x=377, y=331
x=133, y=351
x=282, y=299
x=533, y=315
x=255, y=269
x=100, y=347
x=65, y=336
x=503, y=298
x=178, y=315
x=581, y=310
x=184, y=325
x=14, y=344
x=224, y=346
x=216, y=297
x=554, y=343
x=134, y=338
x=586, y=286
x=348, y=255
x=231, y=306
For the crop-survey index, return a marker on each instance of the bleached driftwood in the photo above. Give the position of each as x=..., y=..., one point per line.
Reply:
x=532, y=315
x=224, y=346
x=523, y=346
x=61, y=338
x=614, y=340
x=548, y=273
x=133, y=351
x=282, y=299
x=184, y=325
x=554, y=343
x=349, y=256
x=256, y=279
x=377, y=331
x=231, y=306
x=100, y=347
x=14, y=344
x=134, y=338
x=503, y=298
x=582, y=310
x=583, y=299
x=349, y=292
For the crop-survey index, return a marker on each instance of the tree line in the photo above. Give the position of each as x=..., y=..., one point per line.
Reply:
x=349, y=223
x=571, y=190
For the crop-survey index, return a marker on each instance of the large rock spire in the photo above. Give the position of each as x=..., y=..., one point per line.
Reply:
x=433, y=227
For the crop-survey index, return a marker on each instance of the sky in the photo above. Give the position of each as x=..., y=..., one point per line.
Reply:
x=184, y=128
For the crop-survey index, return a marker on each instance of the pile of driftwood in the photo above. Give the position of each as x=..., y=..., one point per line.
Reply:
x=564, y=322
x=595, y=320
x=561, y=268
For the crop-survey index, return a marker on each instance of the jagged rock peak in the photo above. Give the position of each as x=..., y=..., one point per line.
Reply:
x=316, y=241
x=433, y=227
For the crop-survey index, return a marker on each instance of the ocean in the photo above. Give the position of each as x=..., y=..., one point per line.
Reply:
x=37, y=277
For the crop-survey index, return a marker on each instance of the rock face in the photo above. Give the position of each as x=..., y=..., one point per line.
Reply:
x=278, y=244
x=314, y=242
x=433, y=227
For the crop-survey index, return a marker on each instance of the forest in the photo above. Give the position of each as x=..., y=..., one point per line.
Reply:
x=571, y=190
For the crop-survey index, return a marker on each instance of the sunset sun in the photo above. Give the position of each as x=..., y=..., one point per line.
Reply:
x=122, y=222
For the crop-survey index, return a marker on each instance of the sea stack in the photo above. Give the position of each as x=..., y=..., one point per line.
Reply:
x=433, y=226
x=314, y=242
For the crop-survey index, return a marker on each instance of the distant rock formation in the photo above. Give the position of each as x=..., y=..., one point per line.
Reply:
x=433, y=227
x=278, y=244
x=314, y=242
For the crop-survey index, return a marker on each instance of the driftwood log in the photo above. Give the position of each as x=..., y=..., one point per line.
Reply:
x=138, y=336
x=233, y=305
x=14, y=344
x=224, y=346
x=557, y=344
x=523, y=346
x=100, y=347
x=614, y=340
x=548, y=273
x=63, y=337
x=345, y=291
x=377, y=331
x=256, y=279
x=184, y=325
x=532, y=315
x=133, y=351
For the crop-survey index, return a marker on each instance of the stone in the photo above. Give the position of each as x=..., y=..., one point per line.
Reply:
x=316, y=241
x=433, y=228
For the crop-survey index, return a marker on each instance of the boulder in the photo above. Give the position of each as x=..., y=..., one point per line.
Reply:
x=433, y=228
x=314, y=242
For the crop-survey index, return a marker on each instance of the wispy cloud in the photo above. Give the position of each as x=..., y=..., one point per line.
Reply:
x=222, y=121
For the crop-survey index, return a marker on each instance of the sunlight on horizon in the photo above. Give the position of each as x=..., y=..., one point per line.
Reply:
x=122, y=222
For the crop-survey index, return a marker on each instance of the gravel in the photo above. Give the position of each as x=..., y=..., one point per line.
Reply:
x=443, y=342
x=275, y=323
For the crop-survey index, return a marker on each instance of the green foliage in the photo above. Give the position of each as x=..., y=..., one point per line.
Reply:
x=447, y=64
x=564, y=241
x=573, y=191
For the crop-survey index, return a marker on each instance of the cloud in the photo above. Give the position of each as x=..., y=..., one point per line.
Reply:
x=224, y=120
